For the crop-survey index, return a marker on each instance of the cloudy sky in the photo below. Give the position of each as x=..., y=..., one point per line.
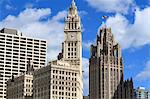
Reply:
x=129, y=20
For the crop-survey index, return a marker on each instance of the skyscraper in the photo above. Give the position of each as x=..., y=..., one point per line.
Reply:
x=106, y=70
x=15, y=50
x=72, y=46
x=62, y=78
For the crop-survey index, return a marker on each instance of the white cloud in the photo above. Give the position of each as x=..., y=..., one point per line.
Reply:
x=85, y=64
x=87, y=44
x=121, y=6
x=82, y=13
x=35, y=23
x=61, y=15
x=145, y=74
x=131, y=35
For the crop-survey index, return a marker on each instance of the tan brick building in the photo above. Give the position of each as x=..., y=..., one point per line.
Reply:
x=59, y=80
x=21, y=87
x=62, y=79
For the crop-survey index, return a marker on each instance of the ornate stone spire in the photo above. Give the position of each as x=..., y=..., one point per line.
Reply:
x=73, y=9
x=72, y=21
x=73, y=4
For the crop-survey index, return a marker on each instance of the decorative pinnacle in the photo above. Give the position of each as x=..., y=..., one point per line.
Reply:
x=73, y=3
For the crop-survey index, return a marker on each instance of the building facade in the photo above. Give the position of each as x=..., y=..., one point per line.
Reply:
x=72, y=45
x=106, y=70
x=63, y=84
x=62, y=79
x=125, y=90
x=142, y=93
x=15, y=50
x=106, y=67
x=21, y=87
x=85, y=97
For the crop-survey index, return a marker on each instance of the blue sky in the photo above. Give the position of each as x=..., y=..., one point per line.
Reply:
x=129, y=20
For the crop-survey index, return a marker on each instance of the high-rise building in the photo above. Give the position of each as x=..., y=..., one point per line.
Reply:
x=62, y=79
x=21, y=87
x=106, y=69
x=142, y=93
x=15, y=50
x=72, y=45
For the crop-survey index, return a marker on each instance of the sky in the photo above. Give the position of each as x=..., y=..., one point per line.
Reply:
x=128, y=19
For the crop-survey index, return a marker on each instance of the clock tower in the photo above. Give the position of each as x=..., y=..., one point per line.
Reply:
x=72, y=45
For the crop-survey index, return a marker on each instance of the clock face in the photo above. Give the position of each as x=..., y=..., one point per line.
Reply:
x=72, y=36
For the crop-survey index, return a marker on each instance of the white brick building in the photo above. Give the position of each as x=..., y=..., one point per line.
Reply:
x=15, y=50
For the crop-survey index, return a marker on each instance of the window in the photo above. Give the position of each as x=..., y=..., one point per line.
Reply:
x=74, y=53
x=75, y=49
x=68, y=44
x=68, y=54
x=68, y=49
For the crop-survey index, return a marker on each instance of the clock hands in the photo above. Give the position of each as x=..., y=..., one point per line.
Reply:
x=72, y=36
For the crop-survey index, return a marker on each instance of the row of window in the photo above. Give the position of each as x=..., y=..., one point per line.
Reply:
x=64, y=72
x=63, y=78
x=72, y=44
x=59, y=97
x=64, y=83
x=8, y=37
x=66, y=88
x=65, y=93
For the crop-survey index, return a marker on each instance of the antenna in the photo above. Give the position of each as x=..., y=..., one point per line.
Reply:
x=104, y=23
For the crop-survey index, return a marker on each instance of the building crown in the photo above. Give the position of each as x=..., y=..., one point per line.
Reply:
x=73, y=9
x=73, y=4
x=72, y=21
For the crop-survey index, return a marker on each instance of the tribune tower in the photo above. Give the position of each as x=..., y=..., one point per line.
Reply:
x=106, y=66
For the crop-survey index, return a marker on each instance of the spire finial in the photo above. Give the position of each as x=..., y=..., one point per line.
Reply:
x=73, y=3
x=73, y=8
